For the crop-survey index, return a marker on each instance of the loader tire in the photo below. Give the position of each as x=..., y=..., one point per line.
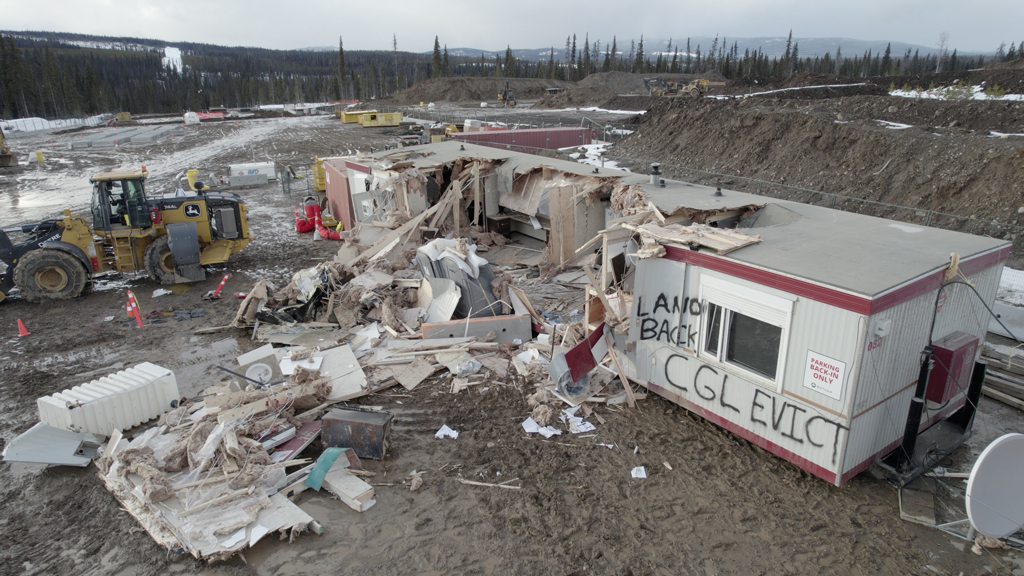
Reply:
x=159, y=261
x=47, y=274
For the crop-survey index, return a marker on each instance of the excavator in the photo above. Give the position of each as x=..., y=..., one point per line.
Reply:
x=169, y=237
x=7, y=158
x=507, y=96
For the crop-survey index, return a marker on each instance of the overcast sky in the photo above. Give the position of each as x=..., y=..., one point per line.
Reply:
x=979, y=25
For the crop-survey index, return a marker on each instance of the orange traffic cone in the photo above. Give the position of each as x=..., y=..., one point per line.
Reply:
x=131, y=314
x=22, y=331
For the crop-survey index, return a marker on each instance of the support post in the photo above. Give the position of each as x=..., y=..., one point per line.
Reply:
x=902, y=458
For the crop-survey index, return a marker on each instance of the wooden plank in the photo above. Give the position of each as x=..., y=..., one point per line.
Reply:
x=416, y=372
x=1006, y=388
x=260, y=406
x=348, y=488
x=562, y=236
x=488, y=484
x=477, y=200
x=597, y=289
x=526, y=302
x=630, y=398
x=1002, y=397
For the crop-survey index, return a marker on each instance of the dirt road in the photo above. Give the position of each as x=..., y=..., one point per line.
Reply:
x=724, y=507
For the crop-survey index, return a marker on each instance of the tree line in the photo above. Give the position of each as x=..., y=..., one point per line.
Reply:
x=47, y=74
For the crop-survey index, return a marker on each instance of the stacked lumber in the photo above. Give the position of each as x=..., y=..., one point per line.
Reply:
x=1004, y=379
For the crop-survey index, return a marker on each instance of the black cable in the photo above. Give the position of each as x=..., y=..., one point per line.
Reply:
x=935, y=309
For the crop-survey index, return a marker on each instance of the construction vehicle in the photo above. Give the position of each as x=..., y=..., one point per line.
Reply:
x=507, y=96
x=657, y=86
x=169, y=237
x=699, y=87
x=7, y=158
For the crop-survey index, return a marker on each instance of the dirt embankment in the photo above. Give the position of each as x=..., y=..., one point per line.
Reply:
x=472, y=89
x=946, y=160
x=598, y=89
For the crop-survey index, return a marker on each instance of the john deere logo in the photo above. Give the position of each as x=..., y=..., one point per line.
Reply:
x=193, y=210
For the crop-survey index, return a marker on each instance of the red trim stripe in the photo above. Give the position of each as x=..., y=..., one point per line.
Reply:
x=357, y=167
x=800, y=461
x=927, y=424
x=825, y=294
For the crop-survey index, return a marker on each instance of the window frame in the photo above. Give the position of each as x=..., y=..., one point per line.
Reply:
x=733, y=298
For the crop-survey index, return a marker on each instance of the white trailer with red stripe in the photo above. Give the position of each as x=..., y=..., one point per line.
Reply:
x=809, y=343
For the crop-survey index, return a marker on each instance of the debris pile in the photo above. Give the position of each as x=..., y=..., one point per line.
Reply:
x=446, y=289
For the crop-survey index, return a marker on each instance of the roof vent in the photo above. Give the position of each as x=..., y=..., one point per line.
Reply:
x=661, y=183
x=655, y=172
x=718, y=191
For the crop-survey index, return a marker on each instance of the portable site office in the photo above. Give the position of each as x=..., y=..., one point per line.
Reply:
x=809, y=343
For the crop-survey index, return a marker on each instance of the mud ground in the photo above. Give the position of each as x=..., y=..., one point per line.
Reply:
x=725, y=507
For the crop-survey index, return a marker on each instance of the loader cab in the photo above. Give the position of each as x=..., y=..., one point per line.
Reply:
x=119, y=201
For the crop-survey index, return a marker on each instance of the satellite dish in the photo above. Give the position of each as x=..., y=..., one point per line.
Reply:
x=995, y=488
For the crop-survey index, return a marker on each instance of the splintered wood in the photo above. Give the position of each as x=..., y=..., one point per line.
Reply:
x=721, y=240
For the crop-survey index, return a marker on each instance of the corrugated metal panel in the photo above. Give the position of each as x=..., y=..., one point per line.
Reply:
x=890, y=365
x=549, y=138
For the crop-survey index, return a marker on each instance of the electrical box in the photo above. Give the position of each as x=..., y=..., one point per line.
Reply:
x=953, y=362
x=365, y=431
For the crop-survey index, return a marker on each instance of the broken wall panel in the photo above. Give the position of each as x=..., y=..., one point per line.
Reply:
x=508, y=328
x=336, y=184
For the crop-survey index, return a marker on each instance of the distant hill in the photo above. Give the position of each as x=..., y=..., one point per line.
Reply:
x=771, y=46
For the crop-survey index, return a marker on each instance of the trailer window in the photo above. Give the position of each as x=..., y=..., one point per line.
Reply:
x=754, y=344
x=746, y=329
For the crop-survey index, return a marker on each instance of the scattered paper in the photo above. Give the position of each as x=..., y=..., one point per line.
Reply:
x=531, y=427
x=575, y=423
x=549, y=431
x=446, y=431
x=612, y=446
x=639, y=472
x=161, y=292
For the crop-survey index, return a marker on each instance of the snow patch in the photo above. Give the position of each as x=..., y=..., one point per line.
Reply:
x=172, y=58
x=893, y=125
x=955, y=93
x=1011, y=287
x=994, y=134
x=591, y=154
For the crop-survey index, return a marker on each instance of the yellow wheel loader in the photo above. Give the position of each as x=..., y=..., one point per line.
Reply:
x=169, y=237
x=7, y=158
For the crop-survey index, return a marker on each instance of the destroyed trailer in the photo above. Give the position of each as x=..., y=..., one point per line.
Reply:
x=830, y=339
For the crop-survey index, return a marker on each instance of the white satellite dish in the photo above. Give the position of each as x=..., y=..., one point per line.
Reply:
x=995, y=488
